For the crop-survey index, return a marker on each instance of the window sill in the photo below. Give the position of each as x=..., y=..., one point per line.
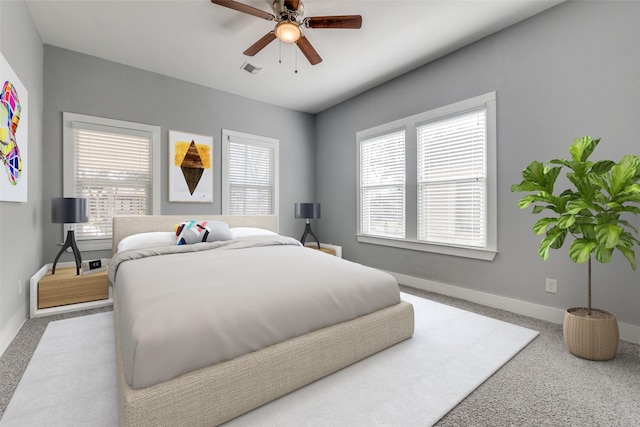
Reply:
x=481, y=254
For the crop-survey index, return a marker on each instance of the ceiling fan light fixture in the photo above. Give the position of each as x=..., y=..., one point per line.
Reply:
x=288, y=32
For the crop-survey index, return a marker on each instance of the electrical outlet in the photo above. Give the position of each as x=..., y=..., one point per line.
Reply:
x=20, y=287
x=551, y=285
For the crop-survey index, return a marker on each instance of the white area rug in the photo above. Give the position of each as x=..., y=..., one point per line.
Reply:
x=71, y=379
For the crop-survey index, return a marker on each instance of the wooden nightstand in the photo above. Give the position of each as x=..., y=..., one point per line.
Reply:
x=325, y=250
x=65, y=291
x=66, y=287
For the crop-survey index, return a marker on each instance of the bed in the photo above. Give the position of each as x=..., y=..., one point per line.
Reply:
x=258, y=350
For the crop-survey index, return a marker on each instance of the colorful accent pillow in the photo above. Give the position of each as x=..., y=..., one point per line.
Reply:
x=193, y=231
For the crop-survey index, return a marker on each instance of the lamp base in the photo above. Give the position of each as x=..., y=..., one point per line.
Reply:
x=69, y=243
x=307, y=231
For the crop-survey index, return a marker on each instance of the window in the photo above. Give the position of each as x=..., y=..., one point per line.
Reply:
x=249, y=174
x=115, y=165
x=443, y=161
x=451, y=180
x=382, y=185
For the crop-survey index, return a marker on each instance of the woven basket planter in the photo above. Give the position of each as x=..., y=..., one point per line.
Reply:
x=592, y=338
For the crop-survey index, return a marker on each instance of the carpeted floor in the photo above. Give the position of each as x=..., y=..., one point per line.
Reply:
x=541, y=386
x=544, y=385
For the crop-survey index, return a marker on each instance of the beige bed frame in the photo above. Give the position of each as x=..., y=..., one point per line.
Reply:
x=218, y=393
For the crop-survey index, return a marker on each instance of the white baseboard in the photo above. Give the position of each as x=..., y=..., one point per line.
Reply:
x=9, y=332
x=627, y=332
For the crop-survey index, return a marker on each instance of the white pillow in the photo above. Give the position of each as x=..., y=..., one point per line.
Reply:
x=147, y=240
x=250, y=231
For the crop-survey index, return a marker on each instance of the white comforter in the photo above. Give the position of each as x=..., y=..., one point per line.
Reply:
x=183, y=308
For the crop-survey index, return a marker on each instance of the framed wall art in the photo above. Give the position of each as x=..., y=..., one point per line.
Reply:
x=190, y=167
x=14, y=126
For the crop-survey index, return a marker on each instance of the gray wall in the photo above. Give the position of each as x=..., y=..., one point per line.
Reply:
x=84, y=84
x=571, y=71
x=21, y=223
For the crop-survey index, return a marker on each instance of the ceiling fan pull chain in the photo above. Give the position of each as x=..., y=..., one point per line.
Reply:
x=279, y=51
x=295, y=52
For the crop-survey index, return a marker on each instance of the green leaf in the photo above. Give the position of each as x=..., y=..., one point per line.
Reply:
x=587, y=230
x=538, y=177
x=603, y=255
x=596, y=180
x=631, y=193
x=602, y=166
x=582, y=148
x=586, y=188
x=575, y=206
x=527, y=186
x=575, y=180
x=559, y=241
x=552, y=235
x=632, y=209
x=539, y=208
x=551, y=174
x=608, y=235
x=629, y=254
x=580, y=250
x=627, y=240
x=527, y=200
x=600, y=198
x=628, y=225
x=622, y=174
x=566, y=221
x=633, y=188
x=563, y=162
x=534, y=173
x=541, y=225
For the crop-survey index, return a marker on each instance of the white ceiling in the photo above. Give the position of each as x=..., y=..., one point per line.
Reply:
x=197, y=41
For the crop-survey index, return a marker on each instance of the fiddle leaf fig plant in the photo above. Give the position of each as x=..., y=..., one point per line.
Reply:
x=590, y=211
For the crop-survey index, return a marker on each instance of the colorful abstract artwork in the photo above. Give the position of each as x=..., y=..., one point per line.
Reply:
x=190, y=167
x=13, y=135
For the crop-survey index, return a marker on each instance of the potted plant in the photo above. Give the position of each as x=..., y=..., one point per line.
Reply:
x=592, y=212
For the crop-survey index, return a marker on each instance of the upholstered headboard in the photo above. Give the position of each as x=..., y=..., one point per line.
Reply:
x=127, y=225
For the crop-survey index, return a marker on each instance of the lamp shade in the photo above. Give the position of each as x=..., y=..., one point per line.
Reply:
x=288, y=32
x=307, y=210
x=69, y=210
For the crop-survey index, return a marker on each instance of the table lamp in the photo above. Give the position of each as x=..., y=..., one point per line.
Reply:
x=308, y=211
x=69, y=210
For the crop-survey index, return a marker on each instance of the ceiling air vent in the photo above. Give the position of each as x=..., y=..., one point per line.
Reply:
x=250, y=68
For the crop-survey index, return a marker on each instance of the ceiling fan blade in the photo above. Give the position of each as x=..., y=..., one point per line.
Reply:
x=353, y=22
x=309, y=52
x=292, y=4
x=260, y=44
x=240, y=7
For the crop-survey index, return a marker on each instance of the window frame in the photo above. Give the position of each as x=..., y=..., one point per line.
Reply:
x=69, y=164
x=250, y=139
x=410, y=124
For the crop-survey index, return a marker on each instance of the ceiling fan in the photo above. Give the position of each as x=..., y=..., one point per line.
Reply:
x=288, y=15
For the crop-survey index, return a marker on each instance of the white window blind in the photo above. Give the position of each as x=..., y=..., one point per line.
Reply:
x=452, y=180
x=250, y=178
x=114, y=172
x=115, y=164
x=382, y=185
